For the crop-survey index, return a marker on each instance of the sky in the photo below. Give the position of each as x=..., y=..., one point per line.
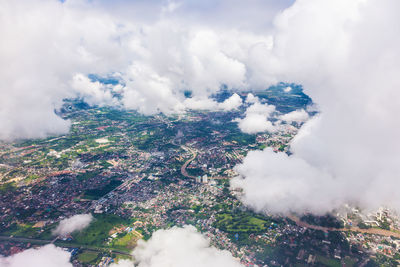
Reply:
x=344, y=53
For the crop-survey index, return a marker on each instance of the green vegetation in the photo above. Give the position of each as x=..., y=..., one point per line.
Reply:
x=87, y=175
x=21, y=230
x=64, y=143
x=328, y=262
x=241, y=223
x=105, y=164
x=119, y=257
x=262, y=146
x=88, y=257
x=362, y=225
x=348, y=262
x=7, y=187
x=325, y=221
x=30, y=178
x=99, y=192
x=285, y=101
x=382, y=260
x=384, y=224
x=241, y=138
x=126, y=241
x=195, y=171
x=98, y=230
x=47, y=231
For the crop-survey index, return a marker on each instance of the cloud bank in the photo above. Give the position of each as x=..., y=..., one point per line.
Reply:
x=345, y=53
x=276, y=182
x=179, y=247
x=72, y=224
x=262, y=117
x=158, y=50
x=46, y=256
x=231, y=103
x=257, y=117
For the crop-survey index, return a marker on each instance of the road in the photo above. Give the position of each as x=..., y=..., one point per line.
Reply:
x=372, y=231
x=184, y=166
x=61, y=244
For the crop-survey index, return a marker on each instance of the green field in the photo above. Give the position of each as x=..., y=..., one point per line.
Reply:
x=127, y=241
x=241, y=223
x=21, y=230
x=87, y=175
x=348, y=262
x=98, y=230
x=328, y=262
x=7, y=187
x=88, y=257
x=100, y=192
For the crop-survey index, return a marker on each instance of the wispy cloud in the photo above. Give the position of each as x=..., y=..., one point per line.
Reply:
x=72, y=224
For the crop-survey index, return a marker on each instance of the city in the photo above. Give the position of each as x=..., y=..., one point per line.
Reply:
x=137, y=174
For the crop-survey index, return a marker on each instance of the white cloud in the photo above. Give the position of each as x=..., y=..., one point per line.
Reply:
x=162, y=50
x=72, y=224
x=179, y=247
x=256, y=118
x=94, y=93
x=287, y=89
x=150, y=93
x=251, y=99
x=122, y=263
x=299, y=115
x=46, y=256
x=205, y=103
x=278, y=183
x=346, y=55
x=200, y=103
x=233, y=102
x=255, y=123
x=44, y=43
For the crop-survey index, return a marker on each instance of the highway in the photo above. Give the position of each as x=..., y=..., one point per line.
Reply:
x=63, y=244
x=184, y=166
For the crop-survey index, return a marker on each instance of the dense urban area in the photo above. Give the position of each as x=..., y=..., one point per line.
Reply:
x=136, y=174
